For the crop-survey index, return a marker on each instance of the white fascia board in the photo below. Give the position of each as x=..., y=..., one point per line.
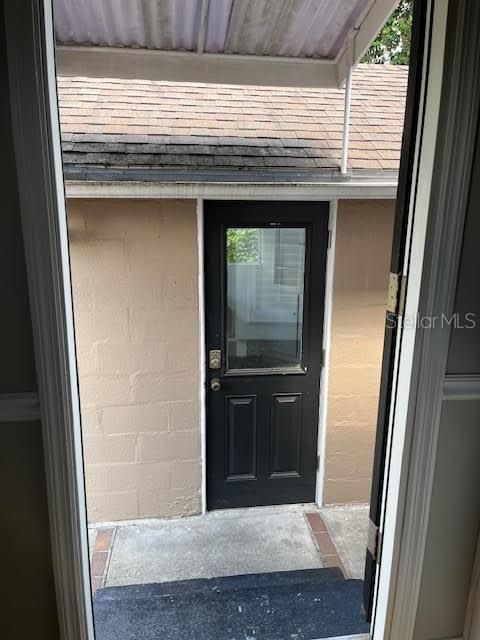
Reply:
x=354, y=189
x=363, y=35
x=179, y=66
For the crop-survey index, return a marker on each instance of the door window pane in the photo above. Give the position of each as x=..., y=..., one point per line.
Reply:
x=265, y=279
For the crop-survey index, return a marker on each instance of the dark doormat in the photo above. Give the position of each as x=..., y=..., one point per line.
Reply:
x=299, y=605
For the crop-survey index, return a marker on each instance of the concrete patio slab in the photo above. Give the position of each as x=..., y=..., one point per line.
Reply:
x=348, y=529
x=220, y=543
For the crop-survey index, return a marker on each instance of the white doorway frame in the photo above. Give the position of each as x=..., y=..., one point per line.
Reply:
x=37, y=140
x=394, y=491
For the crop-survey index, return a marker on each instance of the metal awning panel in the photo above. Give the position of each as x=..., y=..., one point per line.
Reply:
x=199, y=38
x=286, y=28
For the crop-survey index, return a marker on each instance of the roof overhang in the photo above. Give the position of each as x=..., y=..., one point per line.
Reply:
x=301, y=43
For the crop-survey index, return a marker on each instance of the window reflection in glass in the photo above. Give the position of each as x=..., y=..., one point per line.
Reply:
x=265, y=282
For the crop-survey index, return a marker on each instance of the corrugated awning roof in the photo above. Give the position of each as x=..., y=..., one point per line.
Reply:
x=146, y=128
x=270, y=42
x=299, y=29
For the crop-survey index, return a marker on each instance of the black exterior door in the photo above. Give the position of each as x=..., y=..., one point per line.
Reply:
x=264, y=283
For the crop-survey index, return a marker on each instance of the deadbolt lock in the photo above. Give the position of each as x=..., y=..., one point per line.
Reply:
x=215, y=359
x=215, y=384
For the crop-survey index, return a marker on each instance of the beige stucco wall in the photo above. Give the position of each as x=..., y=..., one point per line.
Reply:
x=362, y=261
x=135, y=274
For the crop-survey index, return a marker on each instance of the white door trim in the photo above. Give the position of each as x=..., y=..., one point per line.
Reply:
x=445, y=161
x=202, y=350
x=327, y=328
x=388, y=579
x=36, y=137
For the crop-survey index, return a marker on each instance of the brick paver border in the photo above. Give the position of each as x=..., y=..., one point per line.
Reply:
x=102, y=549
x=324, y=542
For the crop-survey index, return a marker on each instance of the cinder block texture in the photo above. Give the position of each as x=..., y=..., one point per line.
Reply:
x=362, y=262
x=134, y=272
x=134, y=276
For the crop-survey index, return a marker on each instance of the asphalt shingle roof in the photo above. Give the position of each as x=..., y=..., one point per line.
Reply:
x=119, y=123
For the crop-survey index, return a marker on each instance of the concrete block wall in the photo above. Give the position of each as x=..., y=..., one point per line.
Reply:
x=134, y=276
x=362, y=263
x=134, y=273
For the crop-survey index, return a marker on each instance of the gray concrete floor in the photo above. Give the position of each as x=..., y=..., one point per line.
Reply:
x=221, y=543
x=233, y=542
x=348, y=528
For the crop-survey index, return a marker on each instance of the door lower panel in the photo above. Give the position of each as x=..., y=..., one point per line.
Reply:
x=241, y=424
x=285, y=445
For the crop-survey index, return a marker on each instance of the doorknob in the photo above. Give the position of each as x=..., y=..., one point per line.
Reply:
x=215, y=384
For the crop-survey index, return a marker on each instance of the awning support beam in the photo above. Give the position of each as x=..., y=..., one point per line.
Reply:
x=184, y=66
x=346, y=121
x=203, y=26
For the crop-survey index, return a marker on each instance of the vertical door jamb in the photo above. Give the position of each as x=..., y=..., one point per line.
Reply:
x=394, y=610
x=324, y=375
x=202, y=409
x=36, y=135
x=411, y=143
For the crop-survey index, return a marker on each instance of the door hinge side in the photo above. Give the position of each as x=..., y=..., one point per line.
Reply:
x=374, y=541
x=318, y=463
x=329, y=245
x=396, y=293
x=323, y=358
x=402, y=294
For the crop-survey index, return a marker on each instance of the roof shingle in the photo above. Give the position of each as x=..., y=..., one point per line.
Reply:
x=109, y=123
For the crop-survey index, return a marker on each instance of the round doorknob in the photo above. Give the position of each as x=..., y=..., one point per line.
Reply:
x=215, y=384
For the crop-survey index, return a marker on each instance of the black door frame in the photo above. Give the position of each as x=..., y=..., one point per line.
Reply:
x=323, y=302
